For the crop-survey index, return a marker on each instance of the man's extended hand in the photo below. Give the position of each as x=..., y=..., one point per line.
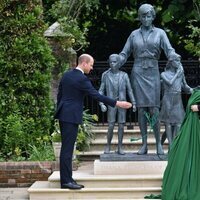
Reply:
x=123, y=104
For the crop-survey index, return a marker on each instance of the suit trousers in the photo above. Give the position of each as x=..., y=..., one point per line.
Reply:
x=68, y=135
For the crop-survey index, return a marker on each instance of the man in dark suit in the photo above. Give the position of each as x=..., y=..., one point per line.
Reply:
x=73, y=87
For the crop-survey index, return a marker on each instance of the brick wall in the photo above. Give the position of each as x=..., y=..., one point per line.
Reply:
x=23, y=174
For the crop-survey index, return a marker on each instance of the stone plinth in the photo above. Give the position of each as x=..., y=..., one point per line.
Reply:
x=132, y=157
x=129, y=167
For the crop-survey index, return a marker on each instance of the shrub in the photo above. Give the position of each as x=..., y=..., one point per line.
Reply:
x=25, y=74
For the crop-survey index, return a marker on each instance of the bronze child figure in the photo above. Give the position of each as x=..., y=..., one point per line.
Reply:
x=172, y=110
x=115, y=84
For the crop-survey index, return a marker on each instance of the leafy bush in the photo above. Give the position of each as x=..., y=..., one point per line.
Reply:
x=85, y=134
x=25, y=74
x=67, y=13
x=41, y=153
x=193, y=42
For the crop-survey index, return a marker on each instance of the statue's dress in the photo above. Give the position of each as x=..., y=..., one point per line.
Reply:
x=145, y=75
x=172, y=110
x=181, y=179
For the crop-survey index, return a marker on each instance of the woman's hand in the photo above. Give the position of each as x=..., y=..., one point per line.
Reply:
x=194, y=108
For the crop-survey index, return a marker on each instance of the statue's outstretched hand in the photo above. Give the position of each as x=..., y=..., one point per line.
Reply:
x=134, y=108
x=103, y=108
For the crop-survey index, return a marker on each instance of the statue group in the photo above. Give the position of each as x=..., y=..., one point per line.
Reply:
x=144, y=88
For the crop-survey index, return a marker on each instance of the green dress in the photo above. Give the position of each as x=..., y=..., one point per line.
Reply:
x=181, y=179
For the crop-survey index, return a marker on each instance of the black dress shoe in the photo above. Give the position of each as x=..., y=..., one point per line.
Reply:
x=71, y=186
x=73, y=181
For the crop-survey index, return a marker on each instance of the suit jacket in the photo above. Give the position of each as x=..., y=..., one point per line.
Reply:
x=124, y=87
x=73, y=87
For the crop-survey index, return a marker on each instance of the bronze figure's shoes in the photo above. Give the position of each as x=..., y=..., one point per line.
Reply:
x=121, y=152
x=107, y=149
x=160, y=150
x=142, y=151
x=71, y=186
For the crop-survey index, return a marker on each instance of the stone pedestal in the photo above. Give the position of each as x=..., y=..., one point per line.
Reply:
x=129, y=167
x=132, y=157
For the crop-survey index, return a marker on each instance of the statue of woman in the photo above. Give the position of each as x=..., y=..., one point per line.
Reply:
x=146, y=44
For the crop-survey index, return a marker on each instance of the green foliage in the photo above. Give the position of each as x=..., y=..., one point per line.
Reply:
x=178, y=25
x=67, y=13
x=85, y=134
x=56, y=136
x=193, y=41
x=41, y=153
x=25, y=74
x=113, y=22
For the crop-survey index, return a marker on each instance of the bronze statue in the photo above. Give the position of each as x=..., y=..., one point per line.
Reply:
x=146, y=44
x=172, y=110
x=115, y=84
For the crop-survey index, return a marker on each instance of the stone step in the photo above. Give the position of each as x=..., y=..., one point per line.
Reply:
x=41, y=190
x=102, y=133
x=97, y=129
x=14, y=193
x=105, y=180
x=109, y=181
x=144, y=168
x=98, y=144
x=103, y=130
x=126, y=127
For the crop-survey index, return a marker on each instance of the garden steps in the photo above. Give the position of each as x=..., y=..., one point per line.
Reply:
x=110, y=181
x=99, y=142
x=135, y=183
x=40, y=190
x=128, y=133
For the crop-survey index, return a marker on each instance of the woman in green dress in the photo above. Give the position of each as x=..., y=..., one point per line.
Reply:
x=181, y=179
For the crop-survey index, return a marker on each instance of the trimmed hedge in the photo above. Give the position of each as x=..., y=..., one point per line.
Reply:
x=26, y=63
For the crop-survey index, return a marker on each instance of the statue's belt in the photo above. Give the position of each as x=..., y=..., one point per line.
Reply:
x=145, y=63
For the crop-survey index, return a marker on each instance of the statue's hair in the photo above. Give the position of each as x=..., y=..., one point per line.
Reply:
x=173, y=56
x=145, y=8
x=114, y=55
x=84, y=58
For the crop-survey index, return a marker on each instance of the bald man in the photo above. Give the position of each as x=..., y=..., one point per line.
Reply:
x=73, y=87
